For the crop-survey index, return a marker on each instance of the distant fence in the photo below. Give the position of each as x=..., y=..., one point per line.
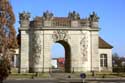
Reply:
x=118, y=69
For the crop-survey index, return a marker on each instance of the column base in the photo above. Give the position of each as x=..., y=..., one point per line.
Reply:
x=24, y=70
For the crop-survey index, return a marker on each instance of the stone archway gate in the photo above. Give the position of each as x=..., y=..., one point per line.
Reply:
x=38, y=35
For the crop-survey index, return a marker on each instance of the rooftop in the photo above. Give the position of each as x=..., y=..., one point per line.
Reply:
x=104, y=44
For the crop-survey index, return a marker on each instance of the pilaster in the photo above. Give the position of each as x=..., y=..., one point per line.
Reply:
x=94, y=51
x=24, y=52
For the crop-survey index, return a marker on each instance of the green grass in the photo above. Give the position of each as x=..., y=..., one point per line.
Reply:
x=20, y=75
x=107, y=75
x=29, y=75
x=102, y=75
x=14, y=70
x=74, y=75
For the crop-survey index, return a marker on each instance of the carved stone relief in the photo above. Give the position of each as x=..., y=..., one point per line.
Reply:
x=60, y=35
x=36, y=47
x=84, y=46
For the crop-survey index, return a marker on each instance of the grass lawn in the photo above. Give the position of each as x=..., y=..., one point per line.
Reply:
x=107, y=75
x=29, y=75
x=73, y=75
x=102, y=75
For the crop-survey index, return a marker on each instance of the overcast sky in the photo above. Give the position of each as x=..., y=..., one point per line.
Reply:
x=111, y=13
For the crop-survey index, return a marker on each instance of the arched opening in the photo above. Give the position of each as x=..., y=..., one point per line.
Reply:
x=63, y=60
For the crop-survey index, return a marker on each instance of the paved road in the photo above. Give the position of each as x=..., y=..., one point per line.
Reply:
x=106, y=81
x=29, y=81
x=63, y=81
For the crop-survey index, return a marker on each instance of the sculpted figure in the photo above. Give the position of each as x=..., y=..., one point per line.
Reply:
x=24, y=16
x=73, y=15
x=47, y=15
x=93, y=17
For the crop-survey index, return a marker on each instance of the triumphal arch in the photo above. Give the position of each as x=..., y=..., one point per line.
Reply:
x=79, y=36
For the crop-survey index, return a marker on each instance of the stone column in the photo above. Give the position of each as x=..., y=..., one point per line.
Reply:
x=37, y=51
x=15, y=61
x=48, y=42
x=94, y=51
x=74, y=45
x=94, y=40
x=24, y=50
x=74, y=41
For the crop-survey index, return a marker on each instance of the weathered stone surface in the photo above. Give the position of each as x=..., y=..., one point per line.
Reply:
x=24, y=53
x=80, y=42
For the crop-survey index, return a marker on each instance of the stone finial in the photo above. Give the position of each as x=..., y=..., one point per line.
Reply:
x=24, y=15
x=73, y=15
x=47, y=15
x=93, y=17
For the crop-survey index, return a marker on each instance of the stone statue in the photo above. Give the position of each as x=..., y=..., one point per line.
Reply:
x=93, y=17
x=73, y=15
x=24, y=15
x=47, y=15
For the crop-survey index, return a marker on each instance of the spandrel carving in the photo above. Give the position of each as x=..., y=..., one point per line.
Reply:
x=60, y=35
x=84, y=46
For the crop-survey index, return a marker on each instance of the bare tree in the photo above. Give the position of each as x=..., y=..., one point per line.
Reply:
x=118, y=63
x=7, y=37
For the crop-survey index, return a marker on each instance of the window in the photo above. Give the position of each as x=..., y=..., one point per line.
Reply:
x=103, y=60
